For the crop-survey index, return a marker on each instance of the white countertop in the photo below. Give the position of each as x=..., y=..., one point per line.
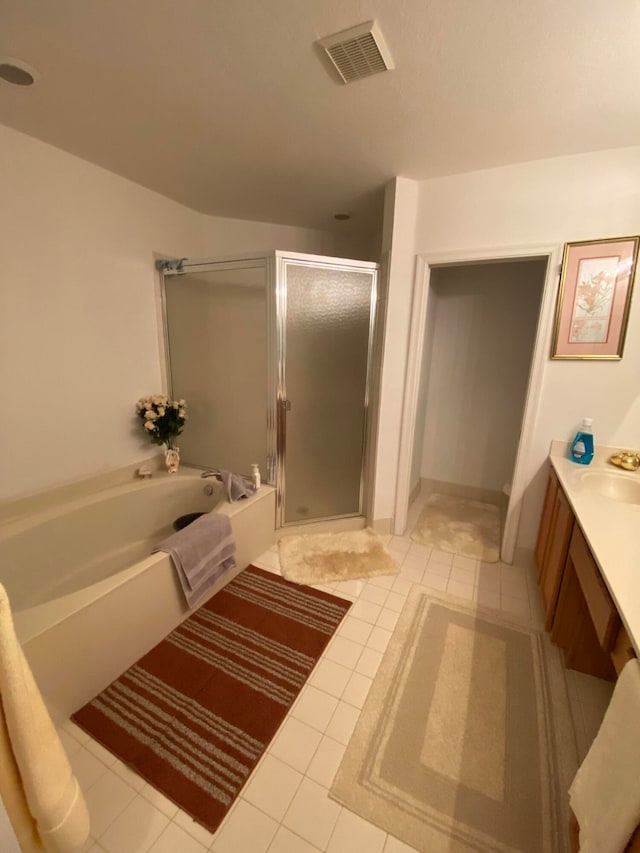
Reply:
x=611, y=528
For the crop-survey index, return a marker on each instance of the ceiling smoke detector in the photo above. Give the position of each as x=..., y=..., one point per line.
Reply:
x=358, y=52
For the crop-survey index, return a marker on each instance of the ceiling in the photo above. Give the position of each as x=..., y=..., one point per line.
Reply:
x=227, y=106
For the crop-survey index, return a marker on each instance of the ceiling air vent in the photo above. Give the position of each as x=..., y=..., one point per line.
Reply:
x=358, y=52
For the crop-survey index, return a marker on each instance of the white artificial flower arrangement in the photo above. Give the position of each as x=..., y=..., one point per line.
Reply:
x=163, y=418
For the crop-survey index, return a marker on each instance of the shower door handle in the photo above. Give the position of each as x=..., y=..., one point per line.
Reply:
x=286, y=405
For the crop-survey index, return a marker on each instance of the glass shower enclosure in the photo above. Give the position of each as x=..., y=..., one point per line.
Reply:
x=273, y=354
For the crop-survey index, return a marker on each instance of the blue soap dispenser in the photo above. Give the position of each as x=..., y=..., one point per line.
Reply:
x=582, y=445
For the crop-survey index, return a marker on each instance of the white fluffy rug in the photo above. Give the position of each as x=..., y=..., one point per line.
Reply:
x=324, y=557
x=460, y=526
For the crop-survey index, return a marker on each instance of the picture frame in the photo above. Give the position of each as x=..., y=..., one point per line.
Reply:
x=594, y=298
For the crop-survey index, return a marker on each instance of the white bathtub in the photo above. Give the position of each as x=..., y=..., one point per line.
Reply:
x=88, y=598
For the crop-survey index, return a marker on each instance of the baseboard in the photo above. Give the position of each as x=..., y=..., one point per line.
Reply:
x=415, y=492
x=382, y=526
x=524, y=558
x=459, y=490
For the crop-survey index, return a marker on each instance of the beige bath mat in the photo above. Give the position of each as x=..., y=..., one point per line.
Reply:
x=460, y=526
x=465, y=742
x=323, y=557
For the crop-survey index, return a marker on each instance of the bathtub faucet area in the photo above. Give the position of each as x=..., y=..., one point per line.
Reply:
x=236, y=486
x=211, y=473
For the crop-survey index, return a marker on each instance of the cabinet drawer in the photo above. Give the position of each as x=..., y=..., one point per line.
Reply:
x=601, y=607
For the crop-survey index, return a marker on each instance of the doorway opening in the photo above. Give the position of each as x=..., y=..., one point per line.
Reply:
x=473, y=381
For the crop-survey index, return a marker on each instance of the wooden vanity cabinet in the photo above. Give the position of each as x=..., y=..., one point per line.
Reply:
x=603, y=612
x=554, y=535
x=621, y=654
x=586, y=622
x=579, y=612
x=545, y=520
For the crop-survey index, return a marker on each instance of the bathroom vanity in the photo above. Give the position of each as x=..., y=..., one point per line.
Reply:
x=588, y=558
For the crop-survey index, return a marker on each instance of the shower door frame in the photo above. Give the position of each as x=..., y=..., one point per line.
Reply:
x=220, y=263
x=282, y=259
x=275, y=263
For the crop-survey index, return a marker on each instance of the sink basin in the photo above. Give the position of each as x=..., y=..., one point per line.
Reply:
x=618, y=487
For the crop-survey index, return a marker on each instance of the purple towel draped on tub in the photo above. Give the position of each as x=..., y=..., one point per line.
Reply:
x=237, y=486
x=201, y=553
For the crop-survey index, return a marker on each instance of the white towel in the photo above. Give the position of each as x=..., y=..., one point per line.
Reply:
x=40, y=793
x=201, y=553
x=605, y=794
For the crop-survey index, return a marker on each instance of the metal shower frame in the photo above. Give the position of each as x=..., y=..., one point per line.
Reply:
x=275, y=265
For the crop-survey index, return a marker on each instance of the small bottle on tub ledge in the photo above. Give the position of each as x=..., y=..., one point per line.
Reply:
x=582, y=445
x=255, y=475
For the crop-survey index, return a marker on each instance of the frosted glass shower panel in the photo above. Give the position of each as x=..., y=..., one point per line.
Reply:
x=216, y=327
x=327, y=341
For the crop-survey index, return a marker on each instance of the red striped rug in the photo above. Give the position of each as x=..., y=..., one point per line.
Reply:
x=195, y=714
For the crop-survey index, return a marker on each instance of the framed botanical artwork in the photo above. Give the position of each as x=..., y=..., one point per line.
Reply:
x=594, y=298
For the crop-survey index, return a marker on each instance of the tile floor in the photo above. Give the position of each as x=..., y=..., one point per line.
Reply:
x=284, y=807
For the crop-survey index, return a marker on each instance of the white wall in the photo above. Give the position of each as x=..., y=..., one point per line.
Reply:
x=401, y=200
x=484, y=324
x=423, y=391
x=547, y=202
x=78, y=327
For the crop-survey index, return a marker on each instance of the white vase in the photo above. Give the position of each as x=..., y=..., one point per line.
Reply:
x=172, y=458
